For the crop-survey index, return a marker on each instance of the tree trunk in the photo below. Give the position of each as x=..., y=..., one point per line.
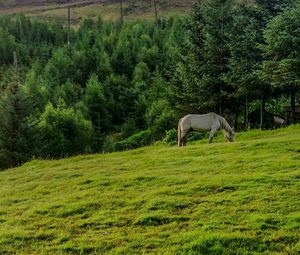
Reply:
x=236, y=119
x=15, y=59
x=262, y=110
x=246, y=113
x=218, y=108
x=293, y=104
x=98, y=122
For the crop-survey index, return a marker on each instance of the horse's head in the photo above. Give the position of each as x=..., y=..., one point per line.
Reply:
x=230, y=136
x=284, y=123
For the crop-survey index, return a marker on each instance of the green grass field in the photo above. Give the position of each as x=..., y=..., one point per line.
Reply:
x=222, y=198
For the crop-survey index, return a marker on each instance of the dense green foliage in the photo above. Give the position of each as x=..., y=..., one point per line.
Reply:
x=119, y=86
x=237, y=198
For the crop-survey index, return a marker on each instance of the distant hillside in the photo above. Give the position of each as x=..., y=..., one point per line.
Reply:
x=11, y=3
x=107, y=9
x=222, y=198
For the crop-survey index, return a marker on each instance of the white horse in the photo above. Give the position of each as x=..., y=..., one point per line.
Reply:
x=279, y=122
x=203, y=122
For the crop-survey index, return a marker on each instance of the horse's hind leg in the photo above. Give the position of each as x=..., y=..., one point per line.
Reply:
x=183, y=137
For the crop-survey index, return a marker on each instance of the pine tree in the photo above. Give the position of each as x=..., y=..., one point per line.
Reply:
x=274, y=6
x=282, y=50
x=199, y=77
x=245, y=56
x=96, y=103
x=7, y=47
x=18, y=132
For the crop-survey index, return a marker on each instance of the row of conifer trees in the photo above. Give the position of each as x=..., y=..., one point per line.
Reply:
x=123, y=85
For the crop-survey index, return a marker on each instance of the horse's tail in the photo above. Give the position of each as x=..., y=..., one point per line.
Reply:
x=179, y=133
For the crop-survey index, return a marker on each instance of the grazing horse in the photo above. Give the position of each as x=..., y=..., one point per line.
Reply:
x=279, y=122
x=203, y=122
x=271, y=120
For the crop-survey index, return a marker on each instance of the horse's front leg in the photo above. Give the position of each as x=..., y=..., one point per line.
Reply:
x=211, y=135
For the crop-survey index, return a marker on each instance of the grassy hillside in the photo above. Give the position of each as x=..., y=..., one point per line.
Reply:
x=222, y=198
x=106, y=9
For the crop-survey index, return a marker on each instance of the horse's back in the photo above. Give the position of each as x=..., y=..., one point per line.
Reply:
x=201, y=121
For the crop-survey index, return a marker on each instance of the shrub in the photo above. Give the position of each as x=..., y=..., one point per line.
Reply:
x=112, y=143
x=109, y=144
x=128, y=128
x=161, y=117
x=171, y=137
x=195, y=136
x=140, y=139
x=65, y=132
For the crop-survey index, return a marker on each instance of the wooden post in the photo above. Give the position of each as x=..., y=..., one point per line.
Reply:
x=69, y=26
x=246, y=113
x=155, y=9
x=121, y=11
x=21, y=31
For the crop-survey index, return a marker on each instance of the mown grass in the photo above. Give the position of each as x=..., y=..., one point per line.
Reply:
x=222, y=198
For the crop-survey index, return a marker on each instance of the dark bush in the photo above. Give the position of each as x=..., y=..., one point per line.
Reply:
x=143, y=138
x=140, y=139
x=171, y=136
x=194, y=136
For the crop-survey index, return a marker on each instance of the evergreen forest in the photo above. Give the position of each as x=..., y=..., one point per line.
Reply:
x=108, y=86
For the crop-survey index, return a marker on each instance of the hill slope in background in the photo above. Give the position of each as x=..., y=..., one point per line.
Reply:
x=106, y=9
x=222, y=198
